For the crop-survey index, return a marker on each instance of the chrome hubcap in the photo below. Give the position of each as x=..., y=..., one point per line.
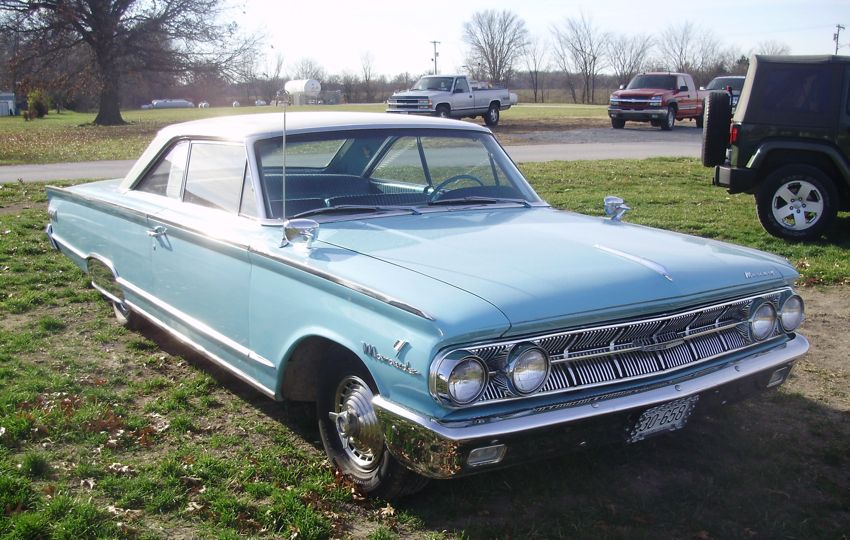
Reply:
x=357, y=424
x=797, y=205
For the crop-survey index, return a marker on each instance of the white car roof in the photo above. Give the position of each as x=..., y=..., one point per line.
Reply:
x=271, y=124
x=251, y=126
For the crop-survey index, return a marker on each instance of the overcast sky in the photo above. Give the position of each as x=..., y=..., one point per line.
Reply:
x=397, y=34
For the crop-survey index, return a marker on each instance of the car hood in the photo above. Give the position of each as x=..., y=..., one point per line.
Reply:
x=640, y=93
x=555, y=268
x=419, y=93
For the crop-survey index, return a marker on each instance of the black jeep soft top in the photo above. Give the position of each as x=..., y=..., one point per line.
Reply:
x=788, y=142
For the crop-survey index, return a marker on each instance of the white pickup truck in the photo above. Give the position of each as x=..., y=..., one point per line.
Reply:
x=451, y=96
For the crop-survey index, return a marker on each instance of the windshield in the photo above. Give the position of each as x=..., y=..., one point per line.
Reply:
x=665, y=82
x=434, y=83
x=376, y=171
x=720, y=83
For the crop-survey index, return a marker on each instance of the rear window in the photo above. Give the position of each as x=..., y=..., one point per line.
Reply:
x=799, y=94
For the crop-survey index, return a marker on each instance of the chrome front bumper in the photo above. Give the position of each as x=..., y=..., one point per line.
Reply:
x=642, y=115
x=441, y=449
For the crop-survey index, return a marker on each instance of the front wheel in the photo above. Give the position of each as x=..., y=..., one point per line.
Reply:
x=492, y=116
x=618, y=123
x=443, y=111
x=670, y=120
x=351, y=433
x=796, y=202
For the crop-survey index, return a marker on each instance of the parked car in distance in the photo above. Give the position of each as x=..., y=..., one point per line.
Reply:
x=788, y=143
x=170, y=104
x=403, y=275
x=260, y=103
x=657, y=98
x=727, y=83
x=204, y=105
x=451, y=96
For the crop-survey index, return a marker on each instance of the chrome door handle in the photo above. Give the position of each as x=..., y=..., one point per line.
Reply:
x=156, y=232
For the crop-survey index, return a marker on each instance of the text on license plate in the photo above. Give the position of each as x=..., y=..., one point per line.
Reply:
x=668, y=416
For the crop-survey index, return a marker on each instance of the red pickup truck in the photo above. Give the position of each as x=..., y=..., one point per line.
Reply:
x=657, y=98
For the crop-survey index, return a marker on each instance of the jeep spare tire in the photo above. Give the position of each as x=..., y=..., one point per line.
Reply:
x=717, y=113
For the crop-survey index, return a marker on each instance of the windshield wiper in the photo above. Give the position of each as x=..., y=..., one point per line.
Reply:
x=354, y=209
x=479, y=200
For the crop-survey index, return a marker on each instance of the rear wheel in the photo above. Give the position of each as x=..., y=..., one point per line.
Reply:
x=618, y=123
x=352, y=436
x=796, y=202
x=715, y=132
x=492, y=116
x=670, y=119
x=699, y=119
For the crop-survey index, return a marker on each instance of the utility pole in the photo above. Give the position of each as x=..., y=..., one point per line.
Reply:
x=436, y=54
x=838, y=29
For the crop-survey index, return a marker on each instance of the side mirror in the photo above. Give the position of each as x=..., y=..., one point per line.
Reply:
x=300, y=234
x=615, y=207
x=458, y=91
x=683, y=88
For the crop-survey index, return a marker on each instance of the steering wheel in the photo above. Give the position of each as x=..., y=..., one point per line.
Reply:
x=435, y=194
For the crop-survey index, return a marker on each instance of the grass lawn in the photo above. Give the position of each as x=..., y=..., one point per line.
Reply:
x=70, y=136
x=106, y=432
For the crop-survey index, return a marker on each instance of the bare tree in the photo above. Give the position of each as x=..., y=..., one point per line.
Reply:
x=688, y=48
x=581, y=48
x=307, y=68
x=535, y=63
x=496, y=39
x=772, y=48
x=127, y=36
x=628, y=55
x=367, y=71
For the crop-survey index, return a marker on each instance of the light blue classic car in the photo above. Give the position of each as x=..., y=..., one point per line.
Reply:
x=402, y=274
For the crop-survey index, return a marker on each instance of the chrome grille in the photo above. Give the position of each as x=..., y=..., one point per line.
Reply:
x=620, y=352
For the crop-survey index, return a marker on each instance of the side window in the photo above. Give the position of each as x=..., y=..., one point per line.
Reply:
x=215, y=175
x=680, y=82
x=402, y=163
x=461, y=84
x=166, y=178
x=248, y=206
x=442, y=154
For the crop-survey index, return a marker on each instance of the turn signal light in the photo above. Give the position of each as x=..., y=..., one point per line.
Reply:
x=733, y=133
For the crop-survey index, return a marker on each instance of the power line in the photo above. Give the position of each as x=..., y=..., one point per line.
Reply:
x=838, y=29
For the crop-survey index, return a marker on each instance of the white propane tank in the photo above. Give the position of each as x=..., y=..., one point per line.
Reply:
x=308, y=87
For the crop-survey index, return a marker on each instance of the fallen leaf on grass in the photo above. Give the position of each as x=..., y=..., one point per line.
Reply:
x=124, y=470
x=88, y=483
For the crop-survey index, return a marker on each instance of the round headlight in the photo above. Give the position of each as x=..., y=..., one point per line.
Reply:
x=792, y=312
x=762, y=321
x=527, y=368
x=467, y=380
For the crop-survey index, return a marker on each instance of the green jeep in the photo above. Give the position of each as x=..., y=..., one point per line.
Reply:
x=788, y=143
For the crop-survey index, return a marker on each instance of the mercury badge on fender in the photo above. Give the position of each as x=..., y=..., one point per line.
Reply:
x=402, y=274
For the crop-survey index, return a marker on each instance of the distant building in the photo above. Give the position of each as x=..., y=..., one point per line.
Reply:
x=7, y=104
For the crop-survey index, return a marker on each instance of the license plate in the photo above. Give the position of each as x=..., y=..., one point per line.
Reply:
x=666, y=417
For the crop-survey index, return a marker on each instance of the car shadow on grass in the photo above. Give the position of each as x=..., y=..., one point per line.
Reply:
x=772, y=467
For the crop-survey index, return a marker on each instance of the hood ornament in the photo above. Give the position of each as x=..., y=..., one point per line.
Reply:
x=615, y=207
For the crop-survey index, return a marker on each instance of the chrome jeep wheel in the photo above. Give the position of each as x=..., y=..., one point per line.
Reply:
x=796, y=202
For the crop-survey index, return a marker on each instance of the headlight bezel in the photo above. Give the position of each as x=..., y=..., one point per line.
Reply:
x=515, y=356
x=757, y=306
x=782, y=311
x=442, y=375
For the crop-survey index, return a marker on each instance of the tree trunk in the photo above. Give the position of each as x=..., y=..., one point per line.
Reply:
x=109, y=113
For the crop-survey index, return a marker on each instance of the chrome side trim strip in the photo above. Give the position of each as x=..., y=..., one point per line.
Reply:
x=345, y=283
x=318, y=273
x=65, y=244
x=532, y=419
x=197, y=325
x=201, y=349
